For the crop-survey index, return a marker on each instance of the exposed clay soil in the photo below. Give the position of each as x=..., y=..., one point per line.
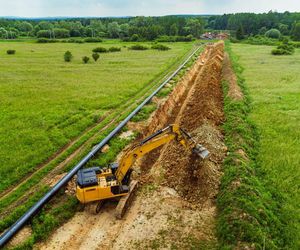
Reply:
x=175, y=204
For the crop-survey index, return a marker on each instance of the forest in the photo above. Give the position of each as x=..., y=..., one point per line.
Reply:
x=142, y=28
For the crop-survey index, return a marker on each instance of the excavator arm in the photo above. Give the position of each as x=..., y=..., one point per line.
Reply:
x=161, y=137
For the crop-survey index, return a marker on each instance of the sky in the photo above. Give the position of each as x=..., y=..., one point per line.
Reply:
x=52, y=8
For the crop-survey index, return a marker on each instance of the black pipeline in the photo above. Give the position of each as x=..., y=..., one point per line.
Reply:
x=9, y=233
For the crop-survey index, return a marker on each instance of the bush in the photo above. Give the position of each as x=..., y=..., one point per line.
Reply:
x=138, y=47
x=68, y=56
x=273, y=33
x=85, y=59
x=295, y=44
x=95, y=56
x=261, y=40
x=100, y=50
x=188, y=38
x=284, y=49
x=114, y=49
x=160, y=47
x=135, y=37
x=11, y=52
x=92, y=40
x=72, y=40
x=46, y=40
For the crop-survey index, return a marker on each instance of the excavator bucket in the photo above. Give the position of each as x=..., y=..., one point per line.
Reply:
x=201, y=151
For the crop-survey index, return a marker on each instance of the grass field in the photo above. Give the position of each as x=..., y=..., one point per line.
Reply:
x=274, y=86
x=45, y=102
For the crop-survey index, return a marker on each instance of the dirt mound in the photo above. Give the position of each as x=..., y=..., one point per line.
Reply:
x=194, y=179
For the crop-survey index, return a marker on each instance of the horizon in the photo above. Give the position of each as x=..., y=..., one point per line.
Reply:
x=132, y=16
x=131, y=8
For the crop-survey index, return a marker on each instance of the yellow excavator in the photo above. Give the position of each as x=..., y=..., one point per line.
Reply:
x=95, y=184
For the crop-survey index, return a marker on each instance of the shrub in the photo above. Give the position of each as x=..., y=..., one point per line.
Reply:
x=135, y=37
x=114, y=49
x=46, y=40
x=95, y=56
x=11, y=52
x=72, y=40
x=284, y=49
x=273, y=33
x=85, y=59
x=175, y=38
x=100, y=50
x=93, y=40
x=160, y=47
x=138, y=47
x=68, y=56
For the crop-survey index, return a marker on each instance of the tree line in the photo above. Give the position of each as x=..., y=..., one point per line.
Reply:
x=150, y=28
x=135, y=28
x=248, y=24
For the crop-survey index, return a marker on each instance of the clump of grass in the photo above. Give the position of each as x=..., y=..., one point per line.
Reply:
x=47, y=40
x=160, y=47
x=93, y=40
x=95, y=56
x=85, y=59
x=138, y=47
x=145, y=112
x=68, y=56
x=100, y=50
x=114, y=49
x=11, y=52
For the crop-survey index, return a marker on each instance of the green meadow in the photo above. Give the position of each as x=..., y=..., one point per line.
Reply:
x=274, y=86
x=46, y=102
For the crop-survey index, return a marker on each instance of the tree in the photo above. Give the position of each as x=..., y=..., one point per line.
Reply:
x=124, y=30
x=68, y=56
x=44, y=34
x=3, y=33
x=61, y=33
x=273, y=33
x=284, y=29
x=45, y=25
x=95, y=56
x=296, y=31
x=194, y=27
x=262, y=30
x=25, y=27
x=240, y=32
x=113, y=30
x=173, y=30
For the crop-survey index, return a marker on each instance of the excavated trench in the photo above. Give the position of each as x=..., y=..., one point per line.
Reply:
x=197, y=105
x=175, y=205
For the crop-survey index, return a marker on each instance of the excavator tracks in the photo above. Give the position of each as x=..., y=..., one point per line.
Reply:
x=125, y=201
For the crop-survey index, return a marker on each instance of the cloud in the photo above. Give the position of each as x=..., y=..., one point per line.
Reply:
x=139, y=7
